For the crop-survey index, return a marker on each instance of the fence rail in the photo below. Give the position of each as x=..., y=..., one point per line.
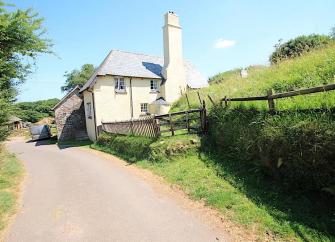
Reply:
x=270, y=97
x=146, y=126
x=154, y=126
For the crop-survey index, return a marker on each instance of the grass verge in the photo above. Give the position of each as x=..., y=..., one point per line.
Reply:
x=11, y=174
x=241, y=195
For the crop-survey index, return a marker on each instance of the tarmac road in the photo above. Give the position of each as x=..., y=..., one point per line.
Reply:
x=74, y=195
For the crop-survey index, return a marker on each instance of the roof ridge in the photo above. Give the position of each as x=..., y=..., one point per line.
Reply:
x=136, y=53
x=65, y=97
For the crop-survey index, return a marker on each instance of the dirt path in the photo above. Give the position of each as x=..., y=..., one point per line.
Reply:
x=74, y=195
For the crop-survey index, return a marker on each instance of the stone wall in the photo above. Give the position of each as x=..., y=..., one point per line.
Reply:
x=70, y=118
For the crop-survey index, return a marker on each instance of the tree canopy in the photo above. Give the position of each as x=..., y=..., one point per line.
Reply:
x=35, y=111
x=298, y=46
x=21, y=40
x=77, y=77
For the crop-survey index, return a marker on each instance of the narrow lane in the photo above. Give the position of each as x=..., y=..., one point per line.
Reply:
x=73, y=195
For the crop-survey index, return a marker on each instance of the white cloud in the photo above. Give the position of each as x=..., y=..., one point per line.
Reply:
x=224, y=43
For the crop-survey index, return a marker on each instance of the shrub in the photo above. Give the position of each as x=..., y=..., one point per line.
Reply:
x=131, y=148
x=134, y=148
x=297, y=148
x=298, y=46
x=166, y=148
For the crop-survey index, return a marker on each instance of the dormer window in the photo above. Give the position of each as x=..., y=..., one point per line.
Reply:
x=120, y=85
x=154, y=86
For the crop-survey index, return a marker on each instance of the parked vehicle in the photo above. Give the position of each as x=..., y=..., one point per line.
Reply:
x=39, y=132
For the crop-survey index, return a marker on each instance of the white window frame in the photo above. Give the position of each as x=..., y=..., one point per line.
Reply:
x=144, y=107
x=89, y=110
x=154, y=86
x=120, y=84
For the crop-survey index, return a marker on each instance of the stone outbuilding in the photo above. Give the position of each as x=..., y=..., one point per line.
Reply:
x=15, y=123
x=70, y=117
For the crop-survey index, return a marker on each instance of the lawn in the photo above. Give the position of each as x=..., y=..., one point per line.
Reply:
x=11, y=174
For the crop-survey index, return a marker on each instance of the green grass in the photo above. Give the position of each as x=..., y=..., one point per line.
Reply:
x=238, y=199
x=65, y=144
x=11, y=172
x=313, y=69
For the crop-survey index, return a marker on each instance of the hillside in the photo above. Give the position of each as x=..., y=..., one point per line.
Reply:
x=35, y=111
x=312, y=69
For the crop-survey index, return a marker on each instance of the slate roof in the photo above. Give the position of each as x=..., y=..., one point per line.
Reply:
x=122, y=63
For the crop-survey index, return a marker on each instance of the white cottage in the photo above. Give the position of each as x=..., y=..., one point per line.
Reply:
x=127, y=85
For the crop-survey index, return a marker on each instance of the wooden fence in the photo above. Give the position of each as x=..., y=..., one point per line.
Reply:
x=270, y=97
x=145, y=126
x=193, y=120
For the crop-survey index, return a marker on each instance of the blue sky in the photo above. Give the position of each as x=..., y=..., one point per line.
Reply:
x=217, y=35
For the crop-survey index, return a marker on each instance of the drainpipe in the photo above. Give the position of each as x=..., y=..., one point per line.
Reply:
x=94, y=116
x=131, y=99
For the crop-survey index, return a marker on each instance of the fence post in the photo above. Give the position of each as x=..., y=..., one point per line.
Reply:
x=210, y=99
x=225, y=101
x=188, y=101
x=204, y=117
x=199, y=98
x=271, y=102
x=171, y=124
x=132, y=127
x=187, y=123
x=157, y=126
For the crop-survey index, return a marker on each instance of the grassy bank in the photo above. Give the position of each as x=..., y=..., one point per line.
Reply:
x=312, y=69
x=240, y=193
x=11, y=173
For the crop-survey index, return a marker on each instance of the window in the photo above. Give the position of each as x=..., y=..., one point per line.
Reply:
x=144, y=108
x=89, y=110
x=120, y=85
x=153, y=85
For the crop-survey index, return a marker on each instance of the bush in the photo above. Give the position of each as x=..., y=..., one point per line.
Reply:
x=297, y=148
x=166, y=148
x=135, y=148
x=132, y=148
x=298, y=46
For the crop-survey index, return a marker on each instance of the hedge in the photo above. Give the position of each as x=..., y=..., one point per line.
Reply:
x=296, y=148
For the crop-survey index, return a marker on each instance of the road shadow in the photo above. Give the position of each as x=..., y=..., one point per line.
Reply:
x=73, y=143
x=61, y=145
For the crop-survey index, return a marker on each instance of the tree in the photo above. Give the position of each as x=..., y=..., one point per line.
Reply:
x=35, y=111
x=77, y=77
x=298, y=46
x=21, y=40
